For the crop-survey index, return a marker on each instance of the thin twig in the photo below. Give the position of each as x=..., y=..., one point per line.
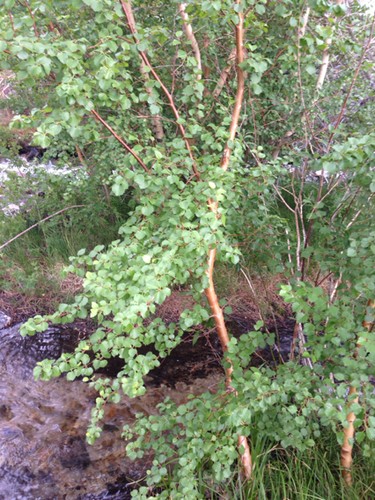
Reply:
x=356, y=73
x=224, y=74
x=120, y=140
x=12, y=22
x=126, y=7
x=37, y=224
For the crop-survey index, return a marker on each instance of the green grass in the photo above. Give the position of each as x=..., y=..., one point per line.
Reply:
x=281, y=474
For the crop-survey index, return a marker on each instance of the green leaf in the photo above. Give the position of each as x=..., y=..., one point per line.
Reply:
x=147, y=210
x=140, y=180
x=370, y=433
x=260, y=8
x=54, y=129
x=120, y=186
x=154, y=109
x=96, y=5
x=310, y=69
x=74, y=132
x=23, y=55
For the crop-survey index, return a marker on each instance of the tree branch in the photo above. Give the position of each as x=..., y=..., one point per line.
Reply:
x=224, y=74
x=240, y=57
x=126, y=6
x=36, y=33
x=355, y=77
x=37, y=224
x=120, y=140
x=222, y=332
x=191, y=37
x=156, y=119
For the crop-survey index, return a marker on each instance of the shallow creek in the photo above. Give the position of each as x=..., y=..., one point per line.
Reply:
x=43, y=453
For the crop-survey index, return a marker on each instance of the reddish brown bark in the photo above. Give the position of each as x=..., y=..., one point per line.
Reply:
x=349, y=430
x=240, y=55
x=347, y=446
x=217, y=314
x=245, y=455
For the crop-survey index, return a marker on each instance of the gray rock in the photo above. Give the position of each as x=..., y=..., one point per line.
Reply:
x=73, y=453
x=19, y=355
x=4, y=320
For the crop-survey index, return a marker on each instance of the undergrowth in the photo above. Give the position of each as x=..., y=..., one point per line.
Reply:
x=289, y=475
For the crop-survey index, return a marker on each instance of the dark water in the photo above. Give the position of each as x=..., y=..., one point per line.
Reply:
x=43, y=453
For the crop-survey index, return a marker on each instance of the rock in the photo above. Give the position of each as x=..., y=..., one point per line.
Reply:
x=74, y=454
x=5, y=320
x=13, y=445
x=5, y=412
x=120, y=490
x=19, y=355
x=31, y=152
x=22, y=484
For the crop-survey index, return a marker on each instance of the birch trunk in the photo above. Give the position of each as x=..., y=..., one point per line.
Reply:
x=191, y=37
x=325, y=58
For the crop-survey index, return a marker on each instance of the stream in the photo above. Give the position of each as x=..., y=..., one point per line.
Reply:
x=43, y=453
x=30, y=169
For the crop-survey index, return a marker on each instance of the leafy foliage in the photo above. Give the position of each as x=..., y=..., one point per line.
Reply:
x=297, y=197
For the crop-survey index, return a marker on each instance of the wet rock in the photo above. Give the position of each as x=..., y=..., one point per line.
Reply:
x=74, y=454
x=5, y=412
x=108, y=427
x=5, y=320
x=22, y=484
x=19, y=355
x=117, y=491
x=282, y=328
x=31, y=152
x=13, y=445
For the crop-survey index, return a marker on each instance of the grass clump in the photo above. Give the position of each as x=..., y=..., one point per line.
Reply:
x=291, y=475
